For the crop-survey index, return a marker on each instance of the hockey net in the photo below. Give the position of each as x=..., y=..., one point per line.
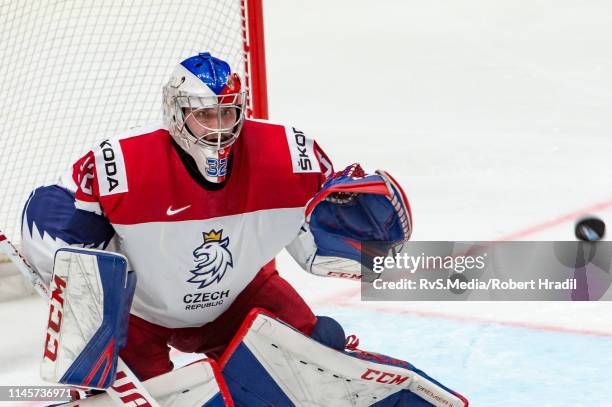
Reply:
x=74, y=72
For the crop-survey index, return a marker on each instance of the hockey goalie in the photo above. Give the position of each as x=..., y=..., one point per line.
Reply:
x=198, y=207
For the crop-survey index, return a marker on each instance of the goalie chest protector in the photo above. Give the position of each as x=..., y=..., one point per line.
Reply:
x=193, y=248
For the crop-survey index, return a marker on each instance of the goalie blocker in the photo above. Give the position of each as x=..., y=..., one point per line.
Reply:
x=90, y=297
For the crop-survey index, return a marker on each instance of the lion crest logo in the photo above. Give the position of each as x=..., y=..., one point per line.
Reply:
x=212, y=259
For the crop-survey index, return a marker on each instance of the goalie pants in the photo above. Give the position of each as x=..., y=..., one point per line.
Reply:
x=147, y=352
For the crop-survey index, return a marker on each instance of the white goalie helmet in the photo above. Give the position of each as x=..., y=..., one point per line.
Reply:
x=204, y=110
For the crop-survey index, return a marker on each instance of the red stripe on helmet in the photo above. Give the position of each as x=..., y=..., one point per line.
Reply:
x=231, y=87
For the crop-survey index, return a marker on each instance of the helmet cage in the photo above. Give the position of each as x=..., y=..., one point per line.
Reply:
x=189, y=107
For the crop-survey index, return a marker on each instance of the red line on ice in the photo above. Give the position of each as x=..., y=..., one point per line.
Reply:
x=556, y=221
x=478, y=320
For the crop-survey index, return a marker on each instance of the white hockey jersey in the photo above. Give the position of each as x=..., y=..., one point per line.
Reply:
x=194, y=249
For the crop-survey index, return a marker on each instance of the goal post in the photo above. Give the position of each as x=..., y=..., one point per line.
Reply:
x=257, y=82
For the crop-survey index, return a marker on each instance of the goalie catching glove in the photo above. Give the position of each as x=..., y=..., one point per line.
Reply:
x=351, y=208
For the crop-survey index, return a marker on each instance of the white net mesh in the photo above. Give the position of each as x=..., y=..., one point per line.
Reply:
x=73, y=72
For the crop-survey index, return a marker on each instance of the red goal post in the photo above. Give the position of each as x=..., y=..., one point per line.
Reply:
x=74, y=72
x=256, y=67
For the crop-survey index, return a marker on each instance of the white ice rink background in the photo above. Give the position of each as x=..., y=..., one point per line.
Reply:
x=496, y=116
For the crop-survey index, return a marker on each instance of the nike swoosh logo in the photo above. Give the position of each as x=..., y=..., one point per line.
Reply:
x=171, y=211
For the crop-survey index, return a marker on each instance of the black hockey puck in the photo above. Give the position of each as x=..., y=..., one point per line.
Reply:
x=590, y=229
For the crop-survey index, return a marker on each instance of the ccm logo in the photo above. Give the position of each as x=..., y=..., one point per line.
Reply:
x=303, y=159
x=126, y=389
x=340, y=274
x=383, y=377
x=109, y=164
x=55, y=317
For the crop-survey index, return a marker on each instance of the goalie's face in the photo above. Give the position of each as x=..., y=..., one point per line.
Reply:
x=212, y=126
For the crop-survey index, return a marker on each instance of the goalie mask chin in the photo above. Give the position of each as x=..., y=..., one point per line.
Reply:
x=204, y=110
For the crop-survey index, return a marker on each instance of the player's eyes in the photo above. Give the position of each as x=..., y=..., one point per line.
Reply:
x=211, y=114
x=203, y=115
